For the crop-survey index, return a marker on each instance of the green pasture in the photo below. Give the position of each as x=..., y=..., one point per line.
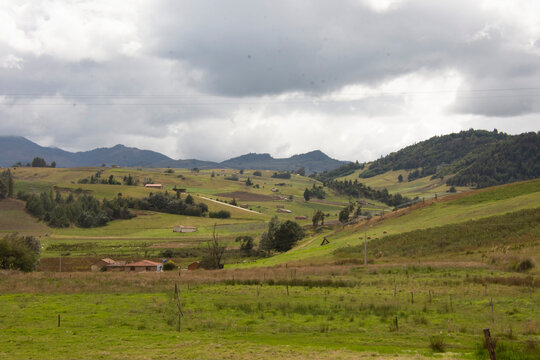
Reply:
x=342, y=316
x=488, y=202
x=422, y=187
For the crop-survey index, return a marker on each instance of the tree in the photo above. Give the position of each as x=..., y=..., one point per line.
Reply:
x=246, y=243
x=249, y=182
x=301, y=171
x=39, y=162
x=19, y=252
x=189, y=200
x=214, y=253
x=318, y=217
x=53, y=164
x=257, y=173
x=400, y=178
x=287, y=235
x=281, y=236
x=307, y=194
x=344, y=215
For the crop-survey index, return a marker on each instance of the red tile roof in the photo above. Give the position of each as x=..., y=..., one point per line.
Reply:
x=143, y=263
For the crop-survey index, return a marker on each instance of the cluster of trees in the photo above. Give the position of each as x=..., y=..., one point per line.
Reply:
x=315, y=192
x=282, y=175
x=515, y=159
x=257, y=173
x=221, y=214
x=84, y=211
x=97, y=179
x=19, y=252
x=36, y=162
x=6, y=184
x=430, y=154
x=281, y=236
x=168, y=203
x=347, y=212
x=356, y=189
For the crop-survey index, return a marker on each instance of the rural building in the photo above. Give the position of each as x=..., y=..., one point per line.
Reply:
x=144, y=265
x=194, y=266
x=275, y=190
x=280, y=206
x=102, y=264
x=184, y=229
x=244, y=206
x=154, y=186
x=301, y=218
x=286, y=211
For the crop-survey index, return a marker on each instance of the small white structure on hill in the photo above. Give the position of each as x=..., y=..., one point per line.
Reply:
x=154, y=186
x=184, y=229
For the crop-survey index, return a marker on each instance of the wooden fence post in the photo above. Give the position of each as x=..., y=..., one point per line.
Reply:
x=58, y=320
x=489, y=344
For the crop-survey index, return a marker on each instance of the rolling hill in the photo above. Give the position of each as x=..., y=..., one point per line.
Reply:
x=472, y=158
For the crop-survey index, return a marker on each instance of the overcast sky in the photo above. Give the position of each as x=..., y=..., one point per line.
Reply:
x=216, y=79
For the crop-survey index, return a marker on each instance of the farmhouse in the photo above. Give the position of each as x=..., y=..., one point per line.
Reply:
x=154, y=186
x=301, y=217
x=286, y=211
x=144, y=265
x=103, y=264
x=184, y=229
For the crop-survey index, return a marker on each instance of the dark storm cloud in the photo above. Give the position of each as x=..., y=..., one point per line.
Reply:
x=249, y=48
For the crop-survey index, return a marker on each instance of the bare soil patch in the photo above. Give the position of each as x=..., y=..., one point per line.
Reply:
x=246, y=196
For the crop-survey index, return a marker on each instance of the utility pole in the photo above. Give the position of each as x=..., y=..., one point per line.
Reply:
x=365, y=244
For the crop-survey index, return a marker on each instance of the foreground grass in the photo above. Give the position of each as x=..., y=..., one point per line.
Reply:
x=326, y=312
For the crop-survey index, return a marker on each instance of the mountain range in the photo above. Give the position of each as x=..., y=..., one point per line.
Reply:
x=16, y=149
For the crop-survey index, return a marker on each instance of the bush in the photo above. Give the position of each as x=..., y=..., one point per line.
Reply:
x=19, y=252
x=524, y=265
x=169, y=265
x=437, y=343
x=221, y=214
x=257, y=173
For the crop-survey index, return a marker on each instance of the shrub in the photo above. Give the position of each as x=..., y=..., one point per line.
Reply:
x=437, y=343
x=169, y=265
x=257, y=173
x=524, y=265
x=19, y=252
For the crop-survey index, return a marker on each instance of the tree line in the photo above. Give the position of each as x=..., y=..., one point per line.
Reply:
x=83, y=211
x=356, y=189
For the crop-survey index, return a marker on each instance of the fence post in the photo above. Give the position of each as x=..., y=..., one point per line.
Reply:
x=58, y=320
x=489, y=344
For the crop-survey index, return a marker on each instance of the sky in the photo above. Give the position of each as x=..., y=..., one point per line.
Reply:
x=211, y=80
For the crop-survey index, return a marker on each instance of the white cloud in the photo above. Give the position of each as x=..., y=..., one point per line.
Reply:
x=212, y=80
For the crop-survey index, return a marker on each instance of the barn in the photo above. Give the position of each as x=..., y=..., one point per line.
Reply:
x=154, y=186
x=144, y=265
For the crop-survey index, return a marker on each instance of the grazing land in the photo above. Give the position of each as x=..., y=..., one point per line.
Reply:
x=438, y=273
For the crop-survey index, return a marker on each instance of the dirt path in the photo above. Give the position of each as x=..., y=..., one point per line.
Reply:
x=233, y=206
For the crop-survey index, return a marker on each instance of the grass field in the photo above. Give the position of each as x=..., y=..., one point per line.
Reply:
x=311, y=302
x=328, y=312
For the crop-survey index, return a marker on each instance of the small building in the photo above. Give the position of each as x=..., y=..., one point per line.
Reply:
x=286, y=211
x=301, y=218
x=102, y=264
x=275, y=190
x=144, y=265
x=244, y=206
x=154, y=186
x=184, y=229
x=280, y=206
x=194, y=266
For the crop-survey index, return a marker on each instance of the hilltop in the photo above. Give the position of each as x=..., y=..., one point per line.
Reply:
x=472, y=158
